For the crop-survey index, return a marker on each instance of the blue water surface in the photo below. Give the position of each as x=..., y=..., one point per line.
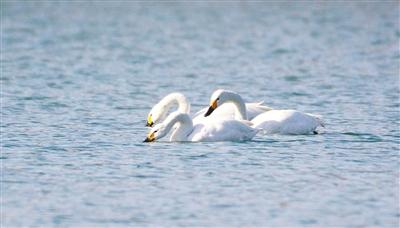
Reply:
x=78, y=79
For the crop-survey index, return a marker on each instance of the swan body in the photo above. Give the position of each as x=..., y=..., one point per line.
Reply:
x=227, y=111
x=287, y=122
x=272, y=122
x=210, y=131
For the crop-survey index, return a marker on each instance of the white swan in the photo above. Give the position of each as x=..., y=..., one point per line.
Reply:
x=227, y=111
x=272, y=122
x=212, y=130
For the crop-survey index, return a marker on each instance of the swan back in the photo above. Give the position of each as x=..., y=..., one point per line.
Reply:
x=222, y=130
x=255, y=109
x=286, y=122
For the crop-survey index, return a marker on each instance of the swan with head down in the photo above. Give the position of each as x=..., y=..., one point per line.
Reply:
x=272, y=122
x=208, y=131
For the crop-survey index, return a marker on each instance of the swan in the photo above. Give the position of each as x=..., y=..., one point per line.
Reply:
x=227, y=111
x=272, y=122
x=209, y=131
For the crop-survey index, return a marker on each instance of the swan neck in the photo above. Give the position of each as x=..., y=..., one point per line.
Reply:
x=185, y=126
x=237, y=100
x=180, y=100
x=183, y=104
x=174, y=98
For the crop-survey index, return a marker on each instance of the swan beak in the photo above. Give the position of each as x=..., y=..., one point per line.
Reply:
x=212, y=107
x=150, y=138
x=149, y=121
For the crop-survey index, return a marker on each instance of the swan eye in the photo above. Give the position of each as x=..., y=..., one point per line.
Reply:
x=218, y=99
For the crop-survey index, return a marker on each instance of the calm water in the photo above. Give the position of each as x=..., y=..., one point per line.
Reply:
x=79, y=78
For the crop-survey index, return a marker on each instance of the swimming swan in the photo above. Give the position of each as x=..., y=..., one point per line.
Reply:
x=272, y=122
x=159, y=111
x=210, y=131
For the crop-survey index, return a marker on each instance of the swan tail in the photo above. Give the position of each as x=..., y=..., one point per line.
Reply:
x=260, y=105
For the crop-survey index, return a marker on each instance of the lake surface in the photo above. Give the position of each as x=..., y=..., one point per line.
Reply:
x=78, y=79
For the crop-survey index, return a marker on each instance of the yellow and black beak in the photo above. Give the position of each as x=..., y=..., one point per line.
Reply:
x=149, y=121
x=150, y=137
x=211, y=109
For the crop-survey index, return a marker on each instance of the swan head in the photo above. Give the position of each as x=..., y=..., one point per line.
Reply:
x=155, y=115
x=218, y=98
x=158, y=131
x=159, y=111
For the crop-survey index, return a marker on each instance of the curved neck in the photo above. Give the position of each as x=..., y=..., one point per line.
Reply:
x=185, y=126
x=237, y=100
x=168, y=101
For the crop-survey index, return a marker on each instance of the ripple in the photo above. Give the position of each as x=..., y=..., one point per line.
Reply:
x=79, y=80
x=292, y=78
x=364, y=137
x=35, y=98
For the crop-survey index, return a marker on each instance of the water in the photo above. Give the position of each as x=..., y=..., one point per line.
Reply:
x=78, y=80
